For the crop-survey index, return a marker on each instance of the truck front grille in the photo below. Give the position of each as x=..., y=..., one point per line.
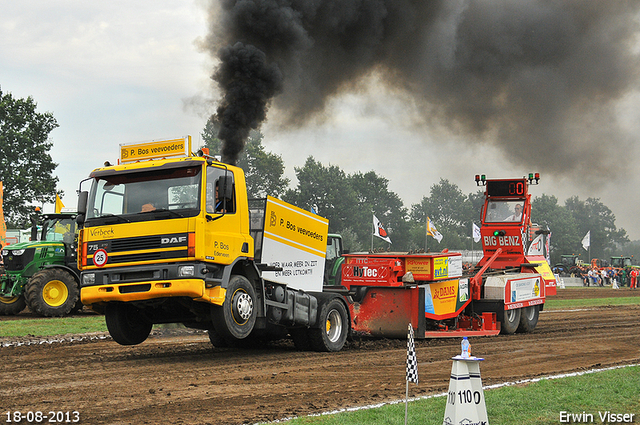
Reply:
x=141, y=249
x=135, y=244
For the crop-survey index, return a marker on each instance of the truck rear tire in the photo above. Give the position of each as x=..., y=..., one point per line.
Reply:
x=334, y=327
x=126, y=325
x=528, y=319
x=10, y=306
x=52, y=292
x=510, y=321
x=236, y=317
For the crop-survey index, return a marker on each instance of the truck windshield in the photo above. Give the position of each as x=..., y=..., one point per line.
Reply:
x=503, y=211
x=147, y=195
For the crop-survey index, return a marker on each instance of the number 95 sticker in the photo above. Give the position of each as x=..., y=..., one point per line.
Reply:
x=100, y=258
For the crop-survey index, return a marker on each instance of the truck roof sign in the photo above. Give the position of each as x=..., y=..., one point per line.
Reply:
x=155, y=149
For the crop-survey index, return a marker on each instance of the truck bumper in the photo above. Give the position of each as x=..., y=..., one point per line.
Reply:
x=139, y=291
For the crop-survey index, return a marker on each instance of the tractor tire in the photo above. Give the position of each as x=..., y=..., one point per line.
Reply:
x=52, y=292
x=10, y=306
x=528, y=319
x=510, y=321
x=236, y=317
x=334, y=327
x=126, y=325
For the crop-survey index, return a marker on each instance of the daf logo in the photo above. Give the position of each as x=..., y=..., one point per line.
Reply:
x=173, y=240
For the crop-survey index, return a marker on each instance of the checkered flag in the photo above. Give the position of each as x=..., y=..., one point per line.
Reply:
x=412, y=362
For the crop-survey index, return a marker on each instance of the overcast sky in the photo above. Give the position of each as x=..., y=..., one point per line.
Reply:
x=120, y=72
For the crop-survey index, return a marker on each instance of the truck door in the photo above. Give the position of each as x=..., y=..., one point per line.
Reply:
x=223, y=232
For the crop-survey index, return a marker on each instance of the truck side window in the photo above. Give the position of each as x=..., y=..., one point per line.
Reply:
x=220, y=191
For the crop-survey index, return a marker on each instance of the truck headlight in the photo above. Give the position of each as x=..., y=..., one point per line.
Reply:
x=186, y=271
x=88, y=279
x=16, y=252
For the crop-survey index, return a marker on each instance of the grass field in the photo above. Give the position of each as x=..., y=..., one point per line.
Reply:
x=537, y=403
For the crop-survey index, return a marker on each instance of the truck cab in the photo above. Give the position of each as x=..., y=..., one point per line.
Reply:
x=170, y=237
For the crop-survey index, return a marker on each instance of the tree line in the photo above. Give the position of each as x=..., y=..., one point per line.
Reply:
x=348, y=201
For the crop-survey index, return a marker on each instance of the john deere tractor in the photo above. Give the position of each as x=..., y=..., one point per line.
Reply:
x=43, y=274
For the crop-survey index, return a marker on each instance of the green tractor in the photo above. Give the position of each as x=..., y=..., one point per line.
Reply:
x=570, y=265
x=624, y=265
x=43, y=274
x=334, y=260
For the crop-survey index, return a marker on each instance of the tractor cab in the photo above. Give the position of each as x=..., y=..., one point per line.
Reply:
x=509, y=238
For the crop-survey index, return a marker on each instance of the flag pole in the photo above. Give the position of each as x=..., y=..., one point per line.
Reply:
x=426, y=237
x=372, y=232
x=406, y=403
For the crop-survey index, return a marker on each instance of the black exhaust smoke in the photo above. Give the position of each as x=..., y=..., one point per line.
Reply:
x=248, y=84
x=538, y=79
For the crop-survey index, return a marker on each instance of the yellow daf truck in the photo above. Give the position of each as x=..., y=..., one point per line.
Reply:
x=168, y=236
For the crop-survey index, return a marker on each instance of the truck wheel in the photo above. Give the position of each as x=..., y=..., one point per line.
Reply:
x=52, y=292
x=510, y=321
x=528, y=319
x=334, y=327
x=237, y=315
x=10, y=306
x=126, y=325
x=216, y=339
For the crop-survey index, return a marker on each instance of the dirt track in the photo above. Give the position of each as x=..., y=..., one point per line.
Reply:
x=182, y=379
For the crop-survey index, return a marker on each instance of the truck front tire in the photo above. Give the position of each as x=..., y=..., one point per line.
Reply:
x=126, y=325
x=236, y=317
x=52, y=292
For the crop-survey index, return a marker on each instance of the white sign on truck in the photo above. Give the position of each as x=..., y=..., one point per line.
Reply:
x=296, y=241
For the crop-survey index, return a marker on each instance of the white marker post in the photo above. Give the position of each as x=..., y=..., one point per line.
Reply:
x=465, y=401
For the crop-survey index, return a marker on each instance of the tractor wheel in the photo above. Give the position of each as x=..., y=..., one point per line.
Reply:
x=10, y=306
x=528, y=319
x=510, y=321
x=334, y=327
x=76, y=308
x=52, y=292
x=126, y=325
x=237, y=315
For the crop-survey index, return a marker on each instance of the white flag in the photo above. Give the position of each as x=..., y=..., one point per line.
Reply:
x=378, y=230
x=586, y=241
x=476, y=233
x=432, y=231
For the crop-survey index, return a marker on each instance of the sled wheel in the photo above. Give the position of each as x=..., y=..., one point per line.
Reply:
x=52, y=292
x=334, y=321
x=237, y=315
x=10, y=306
x=528, y=319
x=510, y=321
x=125, y=324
